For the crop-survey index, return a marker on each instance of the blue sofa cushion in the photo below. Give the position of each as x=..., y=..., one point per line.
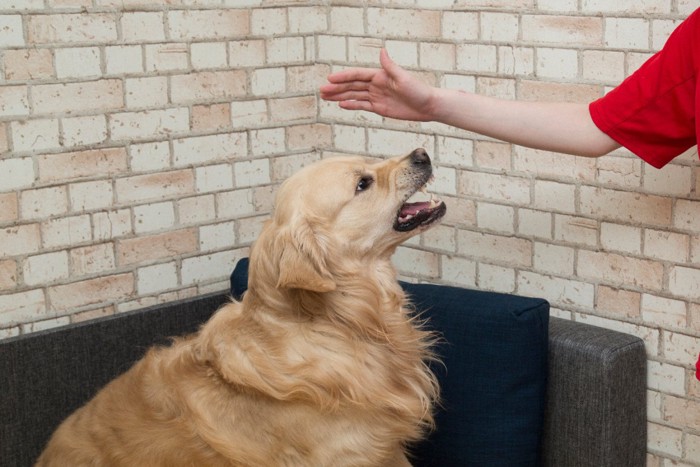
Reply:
x=493, y=376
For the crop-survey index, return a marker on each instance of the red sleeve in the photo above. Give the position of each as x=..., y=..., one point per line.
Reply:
x=653, y=112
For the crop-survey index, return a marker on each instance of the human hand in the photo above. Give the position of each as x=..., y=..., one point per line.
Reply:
x=389, y=91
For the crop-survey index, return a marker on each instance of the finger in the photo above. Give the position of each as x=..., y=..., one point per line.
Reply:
x=335, y=89
x=347, y=96
x=356, y=105
x=352, y=74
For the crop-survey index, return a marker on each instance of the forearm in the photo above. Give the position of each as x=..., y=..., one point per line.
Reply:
x=553, y=126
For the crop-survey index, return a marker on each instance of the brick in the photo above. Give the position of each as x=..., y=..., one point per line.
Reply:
x=28, y=64
x=560, y=30
x=309, y=137
x=153, y=217
x=394, y=143
x=458, y=271
x=663, y=311
x=207, y=268
x=516, y=61
x=674, y=180
x=84, y=131
x=681, y=348
x=619, y=269
x=555, y=196
x=484, y=154
x=249, y=229
x=666, y=378
x=81, y=164
x=346, y=20
x=692, y=448
x=549, y=164
x=285, y=50
x=268, y=81
x=495, y=187
x=214, y=178
x=14, y=101
x=157, y=278
x=8, y=274
x=252, y=173
x=284, y=166
x=666, y=246
x=496, y=278
x=413, y=262
x=77, y=62
x=268, y=21
x=533, y=223
x=148, y=123
x=557, y=63
x=576, y=230
x=403, y=52
x=460, y=26
x=499, y=27
x=209, y=55
x=89, y=315
x=627, y=33
x=101, y=95
x=123, y=59
x=35, y=135
x=66, y=231
x=208, y=24
x=267, y=142
x=632, y=208
x=477, y=58
x=554, y=259
x=154, y=247
x=43, y=202
x=149, y=91
x=71, y=28
x=166, y=57
x=623, y=172
x=17, y=173
x=196, y=209
x=247, y=53
x=436, y=56
x=685, y=217
x=619, y=302
x=19, y=307
x=236, y=203
x=293, y=108
x=684, y=282
x=246, y=114
x=19, y=240
x=619, y=237
x=88, y=196
x=515, y=251
x=149, y=156
x=494, y=217
x=304, y=78
x=409, y=23
x=306, y=20
x=208, y=85
x=217, y=236
x=211, y=117
x=45, y=269
x=603, y=66
x=12, y=31
x=626, y=6
x=9, y=211
x=161, y=185
x=205, y=149
x=90, y=292
x=140, y=26
x=111, y=224
x=560, y=292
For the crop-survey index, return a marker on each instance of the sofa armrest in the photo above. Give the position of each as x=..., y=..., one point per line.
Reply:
x=596, y=397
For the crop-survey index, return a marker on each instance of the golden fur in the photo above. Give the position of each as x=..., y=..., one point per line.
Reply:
x=320, y=364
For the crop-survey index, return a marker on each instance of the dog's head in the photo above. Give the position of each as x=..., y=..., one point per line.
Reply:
x=346, y=209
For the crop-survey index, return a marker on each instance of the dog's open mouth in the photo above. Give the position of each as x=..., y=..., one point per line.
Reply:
x=414, y=214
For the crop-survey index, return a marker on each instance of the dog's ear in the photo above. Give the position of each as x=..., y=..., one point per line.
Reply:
x=302, y=262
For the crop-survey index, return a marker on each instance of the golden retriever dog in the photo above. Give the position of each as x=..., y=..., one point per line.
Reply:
x=322, y=362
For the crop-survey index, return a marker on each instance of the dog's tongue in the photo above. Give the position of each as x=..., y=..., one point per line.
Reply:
x=411, y=209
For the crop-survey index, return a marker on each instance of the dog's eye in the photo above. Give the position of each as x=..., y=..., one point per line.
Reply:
x=363, y=184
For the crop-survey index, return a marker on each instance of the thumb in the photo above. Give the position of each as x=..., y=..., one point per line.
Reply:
x=387, y=63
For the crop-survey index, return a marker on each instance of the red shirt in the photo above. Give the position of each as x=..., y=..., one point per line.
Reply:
x=653, y=112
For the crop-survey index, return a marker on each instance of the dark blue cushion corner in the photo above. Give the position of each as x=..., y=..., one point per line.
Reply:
x=492, y=377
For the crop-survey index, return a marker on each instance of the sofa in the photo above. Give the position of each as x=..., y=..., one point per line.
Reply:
x=518, y=387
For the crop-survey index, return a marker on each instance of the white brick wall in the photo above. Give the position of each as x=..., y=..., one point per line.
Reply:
x=141, y=143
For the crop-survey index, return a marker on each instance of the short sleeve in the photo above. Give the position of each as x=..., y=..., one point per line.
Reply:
x=653, y=112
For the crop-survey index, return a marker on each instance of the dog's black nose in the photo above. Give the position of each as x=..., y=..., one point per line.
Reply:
x=420, y=157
